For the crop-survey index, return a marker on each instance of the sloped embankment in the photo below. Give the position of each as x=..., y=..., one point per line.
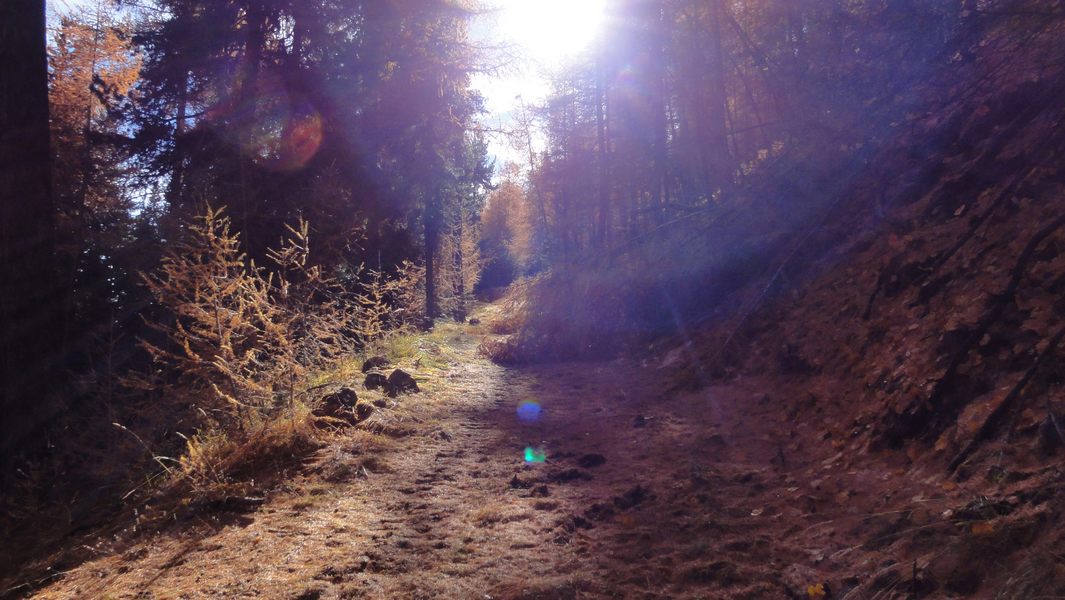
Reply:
x=921, y=324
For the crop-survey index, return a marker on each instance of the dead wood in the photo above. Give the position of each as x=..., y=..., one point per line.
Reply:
x=993, y=420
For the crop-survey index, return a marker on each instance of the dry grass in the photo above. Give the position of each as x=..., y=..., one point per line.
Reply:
x=487, y=515
x=363, y=441
x=214, y=461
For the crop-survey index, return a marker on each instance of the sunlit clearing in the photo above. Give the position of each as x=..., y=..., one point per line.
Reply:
x=550, y=31
x=529, y=411
x=532, y=455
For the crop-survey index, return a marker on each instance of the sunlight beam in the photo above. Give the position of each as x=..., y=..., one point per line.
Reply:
x=549, y=32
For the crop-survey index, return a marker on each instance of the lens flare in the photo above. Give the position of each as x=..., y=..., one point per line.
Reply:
x=529, y=411
x=299, y=141
x=275, y=126
x=534, y=455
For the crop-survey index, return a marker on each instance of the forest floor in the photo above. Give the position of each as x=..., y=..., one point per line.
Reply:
x=645, y=493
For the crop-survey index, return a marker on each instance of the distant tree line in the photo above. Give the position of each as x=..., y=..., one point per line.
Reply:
x=685, y=106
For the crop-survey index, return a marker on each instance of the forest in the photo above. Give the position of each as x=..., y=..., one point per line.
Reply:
x=526, y=300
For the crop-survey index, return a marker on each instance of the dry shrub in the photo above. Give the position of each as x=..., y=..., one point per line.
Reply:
x=243, y=346
x=240, y=341
x=599, y=307
x=514, y=304
x=215, y=461
x=560, y=315
x=504, y=351
x=407, y=293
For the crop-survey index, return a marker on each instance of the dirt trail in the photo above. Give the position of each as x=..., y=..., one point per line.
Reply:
x=646, y=493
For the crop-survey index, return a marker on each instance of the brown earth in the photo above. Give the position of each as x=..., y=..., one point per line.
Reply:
x=646, y=493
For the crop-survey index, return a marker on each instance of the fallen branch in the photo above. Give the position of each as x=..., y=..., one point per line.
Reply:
x=1054, y=423
x=993, y=420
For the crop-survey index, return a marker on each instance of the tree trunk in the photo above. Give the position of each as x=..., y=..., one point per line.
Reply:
x=30, y=317
x=601, y=164
x=526, y=128
x=460, y=267
x=717, y=106
x=255, y=36
x=432, y=208
x=177, y=175
x=660, y=123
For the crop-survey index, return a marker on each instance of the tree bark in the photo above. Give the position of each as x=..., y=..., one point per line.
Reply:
x=432, y=231
x=717, y=105
x=30, y=315
x=177, y=175
x=255, y=36
x=601, y=164
x=460, y=266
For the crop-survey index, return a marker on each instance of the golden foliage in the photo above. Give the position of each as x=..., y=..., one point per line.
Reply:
x=509, y=224
x=236, y=340
x=243, y=345
x=460, y=266
x=93, y=65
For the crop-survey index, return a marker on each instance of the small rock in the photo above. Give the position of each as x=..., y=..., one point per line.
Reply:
x=363, y=411
x=475, y=321
x=375, y=381
x=599, y=511
x=573, y=523
x=375, y=362
x=337, y=405
x=400, y=382
x=635, y=496
x=720, y=572
x=345, y=397
x=569, y=475
x=589, y=461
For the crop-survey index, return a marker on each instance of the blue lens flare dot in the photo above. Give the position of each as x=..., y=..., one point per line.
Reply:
x=529, y=411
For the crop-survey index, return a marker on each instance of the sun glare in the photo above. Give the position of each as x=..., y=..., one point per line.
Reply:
x=550, y=31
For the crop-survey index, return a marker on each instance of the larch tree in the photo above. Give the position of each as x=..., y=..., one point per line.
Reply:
x=93, y=70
